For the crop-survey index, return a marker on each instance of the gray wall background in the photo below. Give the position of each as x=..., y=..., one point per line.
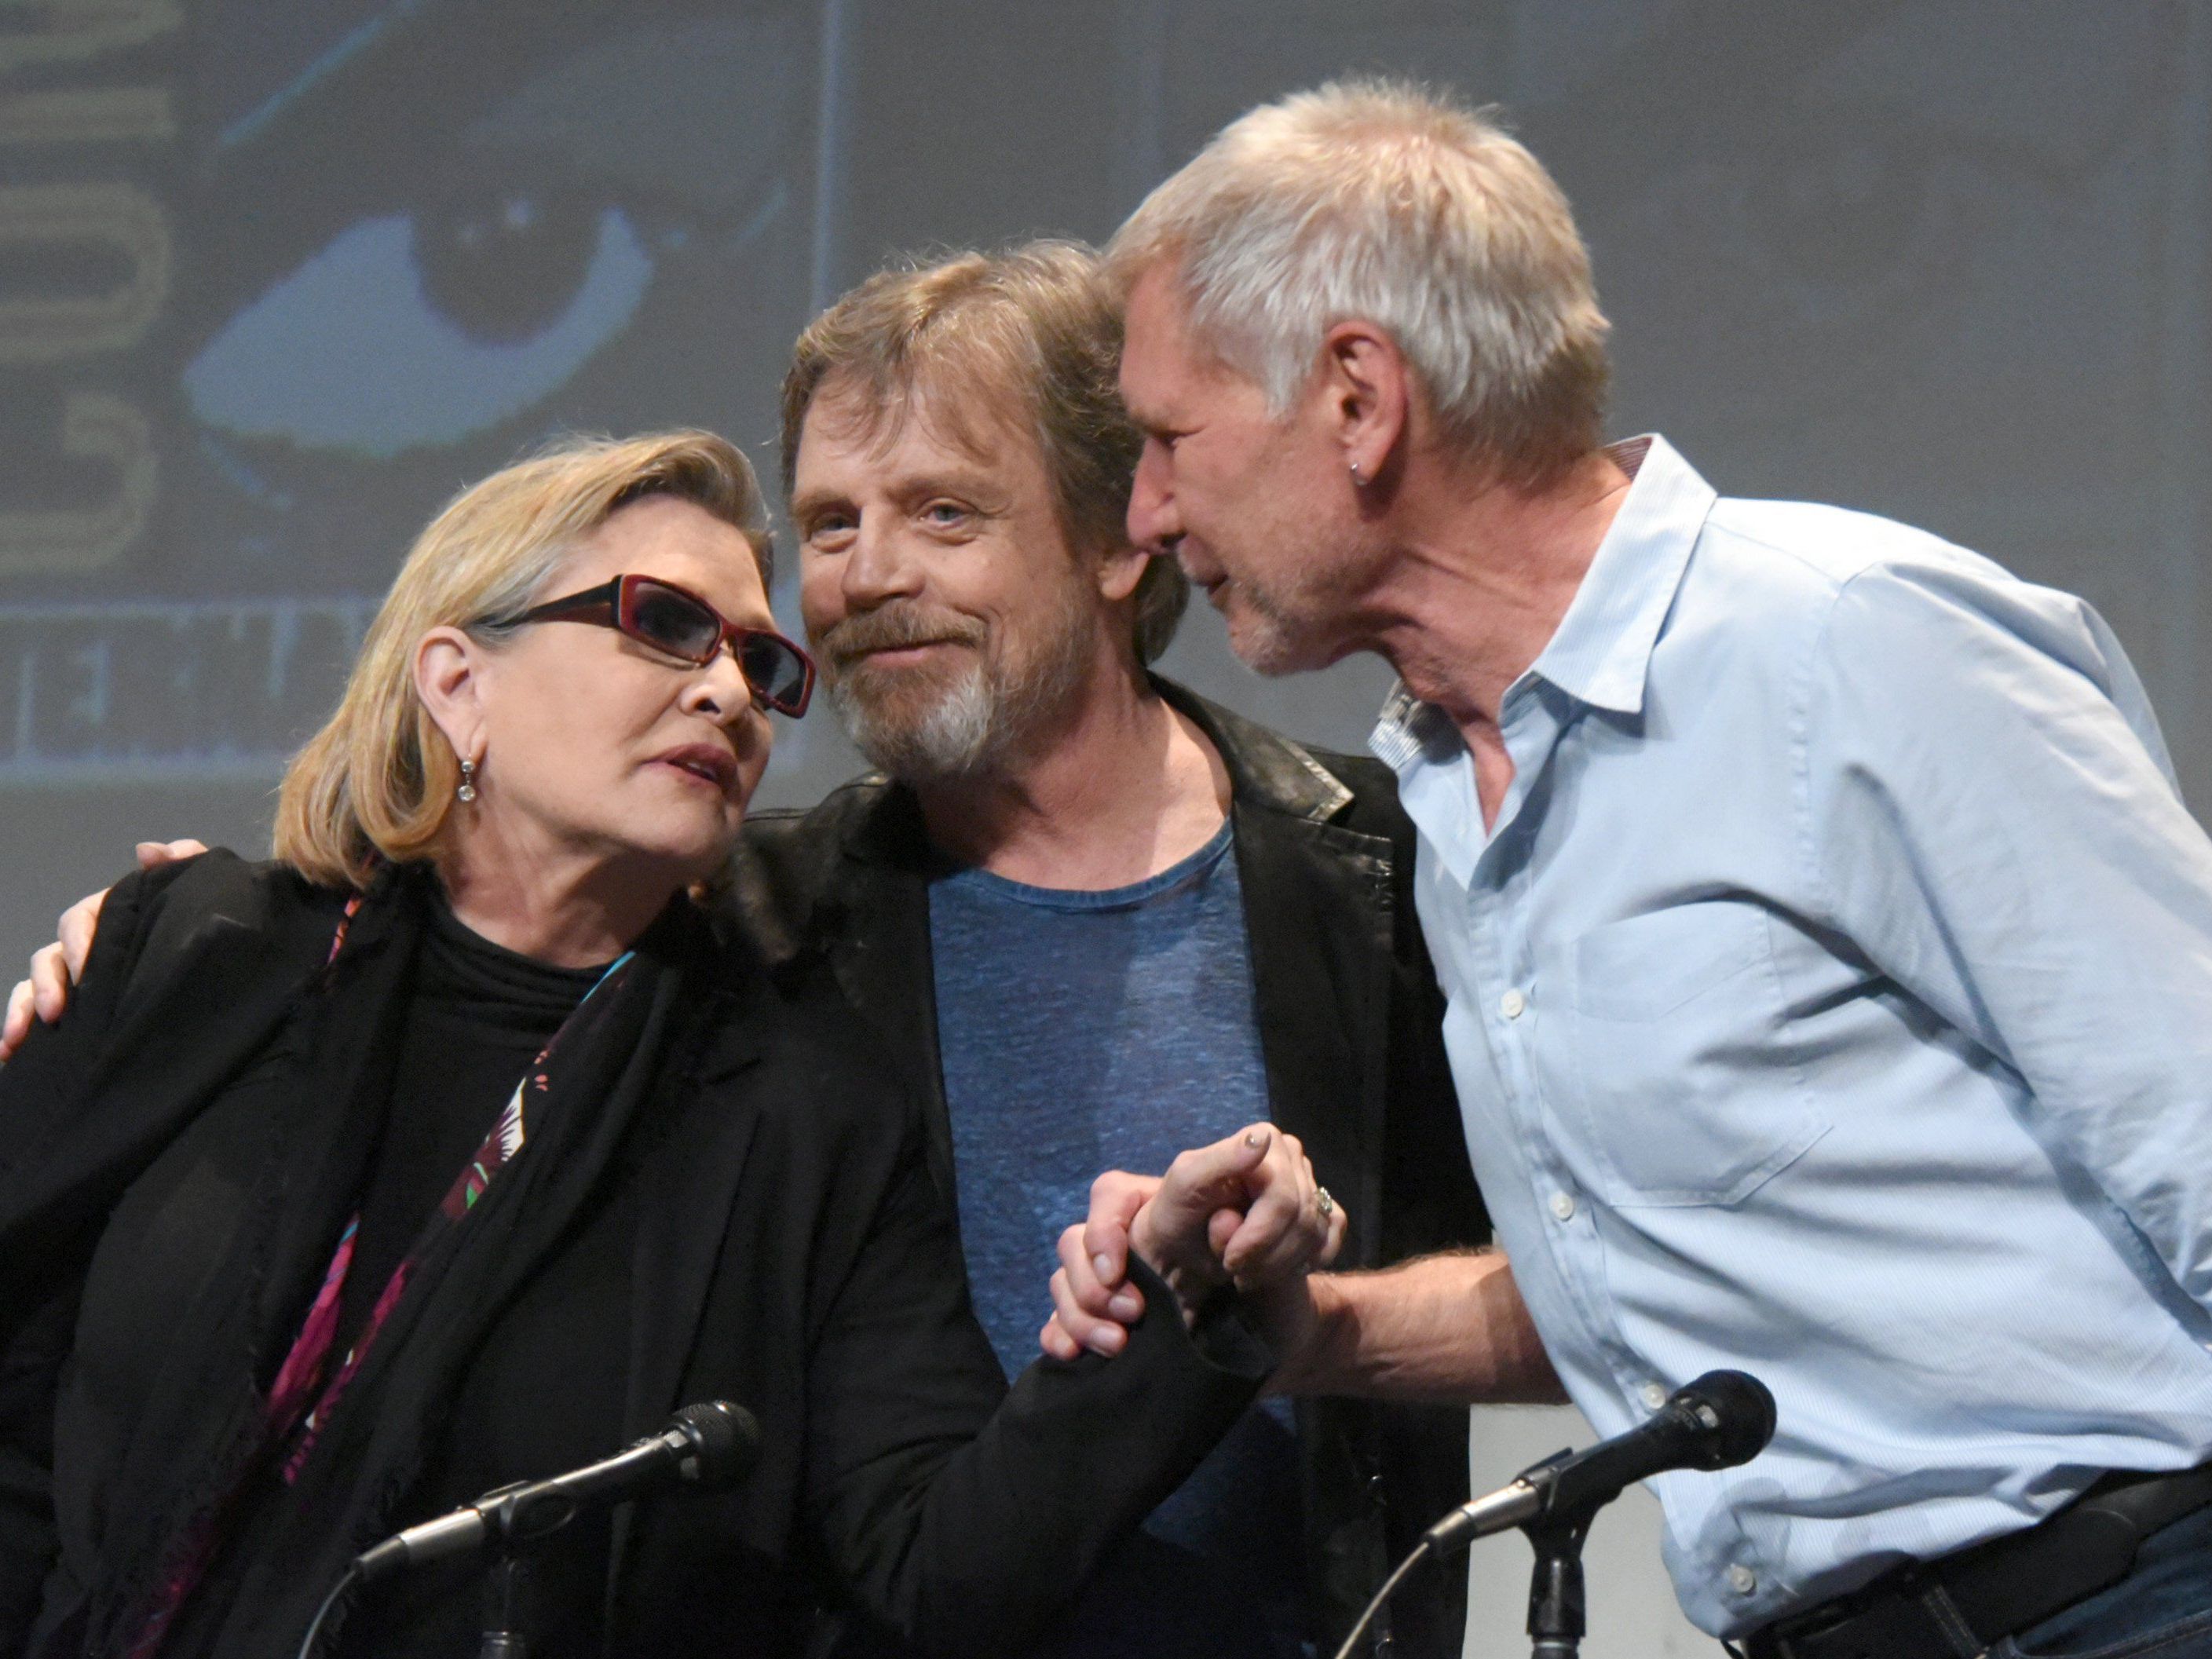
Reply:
x=276, y=278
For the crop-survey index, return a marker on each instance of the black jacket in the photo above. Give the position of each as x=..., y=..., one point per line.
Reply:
x=1350, y=1027
x=793, y=1255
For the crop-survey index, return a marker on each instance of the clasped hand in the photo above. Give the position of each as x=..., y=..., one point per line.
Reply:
x=1245, y=1211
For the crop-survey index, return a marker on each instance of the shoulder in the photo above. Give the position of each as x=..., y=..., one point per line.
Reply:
x=176, y=947
x=1875, y=593
x=785, y=831
x=1962, y=656
x=789, y=1030
x=1271, y=772
x=1885, y=643
x=168, y=917
x=1777, y=558
x=1777, y=592
x=788, y=859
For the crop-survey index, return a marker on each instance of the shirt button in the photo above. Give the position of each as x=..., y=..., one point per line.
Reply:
x=1655, y=1394
x=1741, y=1579
x=1512, y=1004
x=1563, y=1206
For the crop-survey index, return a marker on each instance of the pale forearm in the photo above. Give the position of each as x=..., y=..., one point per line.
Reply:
x=1448, y=1329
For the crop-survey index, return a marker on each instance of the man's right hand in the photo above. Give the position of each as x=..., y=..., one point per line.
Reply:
x=55, y=968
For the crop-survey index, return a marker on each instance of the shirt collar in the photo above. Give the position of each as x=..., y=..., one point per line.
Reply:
x=1409, y=729
x=1601, y=652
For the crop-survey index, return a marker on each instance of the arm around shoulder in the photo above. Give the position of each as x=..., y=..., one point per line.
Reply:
x=46, y=1234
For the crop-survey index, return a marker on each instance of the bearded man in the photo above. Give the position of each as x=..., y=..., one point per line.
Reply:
x=1097, y=919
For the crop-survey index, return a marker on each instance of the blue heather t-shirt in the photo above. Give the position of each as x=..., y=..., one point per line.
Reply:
x=1085, y=1031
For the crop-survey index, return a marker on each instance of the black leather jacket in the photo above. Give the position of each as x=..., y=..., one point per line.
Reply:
x=1351, y=1029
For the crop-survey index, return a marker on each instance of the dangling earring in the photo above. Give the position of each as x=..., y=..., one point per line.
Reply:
x=467, y=792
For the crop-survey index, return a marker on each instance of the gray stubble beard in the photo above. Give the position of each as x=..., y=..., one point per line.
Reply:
x=975, y=725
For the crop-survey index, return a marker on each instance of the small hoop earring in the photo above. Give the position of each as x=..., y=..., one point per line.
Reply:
x=1358, y=482
x=467, y=792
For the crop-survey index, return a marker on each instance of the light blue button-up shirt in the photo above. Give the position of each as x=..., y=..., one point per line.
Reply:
x=1832, y=999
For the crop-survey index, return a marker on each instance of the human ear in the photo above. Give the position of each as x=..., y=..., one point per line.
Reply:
x=448, y=678
x=1121, y=568
x=1367, y=387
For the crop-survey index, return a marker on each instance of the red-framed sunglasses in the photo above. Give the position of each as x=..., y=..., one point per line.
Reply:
x=674, y=620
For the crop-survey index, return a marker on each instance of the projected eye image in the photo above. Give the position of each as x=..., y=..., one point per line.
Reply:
x=397, y=246
x=410, y=314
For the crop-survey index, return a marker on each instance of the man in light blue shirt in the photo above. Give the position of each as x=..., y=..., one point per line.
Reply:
x=1829, y=952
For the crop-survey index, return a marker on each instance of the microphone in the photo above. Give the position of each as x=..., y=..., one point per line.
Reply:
x=708, y=1446
x=1721, y=1419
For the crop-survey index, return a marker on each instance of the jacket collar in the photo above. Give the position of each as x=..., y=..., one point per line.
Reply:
x=1265, y=769
x=888, y=827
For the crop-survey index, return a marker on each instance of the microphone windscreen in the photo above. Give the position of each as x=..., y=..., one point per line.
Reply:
x=1740, y=1411
x=726, y=1438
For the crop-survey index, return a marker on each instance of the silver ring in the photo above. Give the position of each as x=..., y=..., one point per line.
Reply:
x=1323, y=1202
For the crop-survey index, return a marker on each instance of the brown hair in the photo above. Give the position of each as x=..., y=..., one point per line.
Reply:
x=376, y=784
x=1033, y=331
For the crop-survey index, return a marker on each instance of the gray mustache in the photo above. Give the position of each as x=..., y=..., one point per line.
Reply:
x=893, y=630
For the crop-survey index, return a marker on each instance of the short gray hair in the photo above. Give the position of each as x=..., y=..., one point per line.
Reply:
x=1382, y=202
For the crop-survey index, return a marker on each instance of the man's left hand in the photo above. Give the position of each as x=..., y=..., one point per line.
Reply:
x=1245, y=1211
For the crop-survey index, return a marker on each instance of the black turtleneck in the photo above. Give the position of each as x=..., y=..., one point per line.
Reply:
x=479, y=1015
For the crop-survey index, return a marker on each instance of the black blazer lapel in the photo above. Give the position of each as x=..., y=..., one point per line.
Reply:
x=1318, y=922
x=875, y=923
x=847, y=881
x=682, y=1233
x=1317, y=918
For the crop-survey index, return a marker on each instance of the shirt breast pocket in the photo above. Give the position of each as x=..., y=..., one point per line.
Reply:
x=1667, y=1058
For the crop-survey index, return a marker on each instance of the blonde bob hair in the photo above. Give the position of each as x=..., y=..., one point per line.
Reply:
x=375, y=785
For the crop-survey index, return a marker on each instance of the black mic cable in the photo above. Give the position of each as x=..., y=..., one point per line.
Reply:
x=1720, y=1420
x=707, y=1445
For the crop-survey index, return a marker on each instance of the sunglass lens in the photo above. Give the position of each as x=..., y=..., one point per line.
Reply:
x=675, y=621
x=774, y=670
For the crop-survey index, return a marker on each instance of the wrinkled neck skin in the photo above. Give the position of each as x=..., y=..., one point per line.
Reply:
x=566, y=906
x=1109, y=789
x=1480, y=579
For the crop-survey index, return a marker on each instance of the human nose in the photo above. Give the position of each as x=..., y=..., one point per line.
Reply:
x=719, y=690
x=878, y=567
x=1154, y=524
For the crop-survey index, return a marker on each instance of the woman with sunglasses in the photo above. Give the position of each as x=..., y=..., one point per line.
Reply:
x=455, y=1146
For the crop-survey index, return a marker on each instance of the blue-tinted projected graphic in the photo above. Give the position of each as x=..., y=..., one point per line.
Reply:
x=179, y=690
x=356, y=316
x=277, y=279
x=276, y=282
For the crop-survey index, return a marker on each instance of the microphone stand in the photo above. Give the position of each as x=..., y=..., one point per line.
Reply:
x=506, y=1586
x=520, y=1522
x=1557, y=1619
